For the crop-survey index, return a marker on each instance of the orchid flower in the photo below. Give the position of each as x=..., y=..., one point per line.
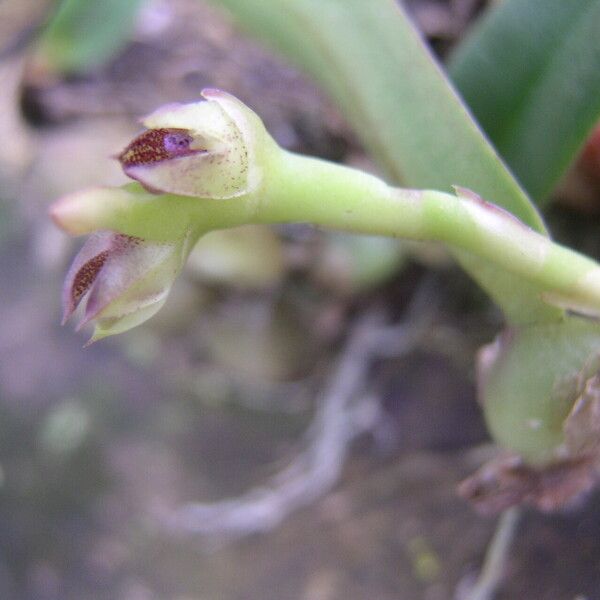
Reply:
x=201, y=149
x=124, y=279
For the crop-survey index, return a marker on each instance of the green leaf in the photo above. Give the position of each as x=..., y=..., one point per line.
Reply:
x=530, y=72
x=372, y=62
x=86, y=33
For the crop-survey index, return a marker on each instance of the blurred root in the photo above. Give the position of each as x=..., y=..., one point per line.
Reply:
x=493, y=571
x=345, y=412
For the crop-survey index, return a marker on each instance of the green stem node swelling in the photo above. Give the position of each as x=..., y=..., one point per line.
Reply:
x=531, y=378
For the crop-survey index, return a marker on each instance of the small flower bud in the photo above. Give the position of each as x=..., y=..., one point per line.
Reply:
x=204, y=149
x=123, y=280
x=211, y=149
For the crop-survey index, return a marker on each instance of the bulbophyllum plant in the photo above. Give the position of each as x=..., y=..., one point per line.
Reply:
x=474, y=170
x=211, y=165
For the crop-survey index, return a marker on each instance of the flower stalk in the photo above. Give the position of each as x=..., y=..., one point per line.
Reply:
x=212, y=165
x=302, y=189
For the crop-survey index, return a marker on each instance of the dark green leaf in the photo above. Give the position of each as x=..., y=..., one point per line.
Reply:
x=86, y=33
x=530, y=72
x=370, y=59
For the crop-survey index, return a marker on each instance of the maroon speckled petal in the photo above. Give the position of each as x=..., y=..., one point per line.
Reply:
x=100, y=249
x=84, y=270
x=130, y=278
x=156, y=145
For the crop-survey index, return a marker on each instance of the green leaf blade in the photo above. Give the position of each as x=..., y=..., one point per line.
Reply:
x=84, y=34
x=530, y=74
x=373, y=63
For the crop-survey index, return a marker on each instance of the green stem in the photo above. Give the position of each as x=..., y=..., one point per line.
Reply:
x=486, y=239
x=324, y=194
